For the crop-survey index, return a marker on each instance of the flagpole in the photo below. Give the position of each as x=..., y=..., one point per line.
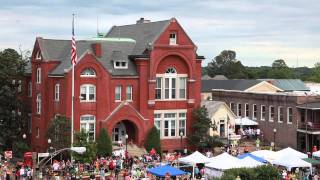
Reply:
x=72, y=102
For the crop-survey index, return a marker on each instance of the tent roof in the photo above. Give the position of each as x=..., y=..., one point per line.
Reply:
x=250, y=162
x=224, y=161
x=266, y=154
x=195, y=158
x=163, y=170
x=290, y=161
x=245, y=122
x=256, y=158
x=291, y=152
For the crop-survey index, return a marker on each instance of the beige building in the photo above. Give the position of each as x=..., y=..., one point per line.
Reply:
x=222, y=116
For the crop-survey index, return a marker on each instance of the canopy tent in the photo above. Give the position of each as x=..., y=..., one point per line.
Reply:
x=249, y=162
x=256, y=158
x=290, y=162
x=316, y=154
x=314, y=162
x=266, y=154
x=163, y=170
x=194, y=158
x=291, y=152
x=245, y=122
x=224, y=161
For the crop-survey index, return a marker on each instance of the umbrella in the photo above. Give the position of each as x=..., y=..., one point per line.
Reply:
x=162, y=171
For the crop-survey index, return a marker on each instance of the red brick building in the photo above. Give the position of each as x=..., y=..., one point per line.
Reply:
x=137, y=76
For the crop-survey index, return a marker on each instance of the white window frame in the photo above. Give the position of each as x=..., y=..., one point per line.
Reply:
x=232, y=109
x=84, y=74
x=30, y=89
x=57, y=92
x=38, y=74
x=38, y=103
x=271, y=120
x=118, y=87
x=87, y=93
x=129, y=92
x=246, y=110
x=173, y=38
x=279, y=115
x=158, y=88
x=121, y=66
x=261, y=112
x=87, y=124
x=239, y=110
x=254, y=111
x=288, y=116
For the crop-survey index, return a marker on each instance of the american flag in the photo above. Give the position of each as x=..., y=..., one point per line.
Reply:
x=73, y=46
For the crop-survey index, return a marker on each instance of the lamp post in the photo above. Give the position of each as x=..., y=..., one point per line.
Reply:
x=274, y=138
x=126, y=142
x=181, y=135
x=24, y=136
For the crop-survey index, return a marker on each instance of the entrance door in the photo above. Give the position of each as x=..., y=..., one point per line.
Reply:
x=118, y=133
x=222, y=130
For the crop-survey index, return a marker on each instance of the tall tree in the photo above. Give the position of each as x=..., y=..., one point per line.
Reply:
x=153, y=140
x=280, y=70
x=13, y=111
x=279, y=63
x=82, y=140
x=104, y=144
x=315, y=76
x=226, y=64
x=59, y=131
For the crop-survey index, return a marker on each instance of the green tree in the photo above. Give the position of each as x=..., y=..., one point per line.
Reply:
x=201, y=125
x=104, y=144
x=279, y=63
x=315, y=76
x=153, y=140
x=226, y=64
x=13, y=111
x=59, y=131
x=82, y=140
x=266, y=172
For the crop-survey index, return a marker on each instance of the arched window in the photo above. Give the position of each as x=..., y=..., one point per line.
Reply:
x=171, y=70
x=57, y=92
x=38, y=103
x=87, y=93
x=88, y=124
x=88, y=72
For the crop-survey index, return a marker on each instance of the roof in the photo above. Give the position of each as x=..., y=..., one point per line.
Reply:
x=310, y=105
x=288, y=84
x=144, y=33
x=231, y=84
x=212, y=106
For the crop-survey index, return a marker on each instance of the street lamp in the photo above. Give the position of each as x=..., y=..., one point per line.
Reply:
x=274, y=138
x=49, y=141
x=24, y=136
x=126, y=136
x=181, y=135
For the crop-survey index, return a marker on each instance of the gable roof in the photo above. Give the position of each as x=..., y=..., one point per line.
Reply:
x=213, y=107
x=288, y=84
x=230, y=84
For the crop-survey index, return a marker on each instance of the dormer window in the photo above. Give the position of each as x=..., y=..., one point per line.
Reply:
x=120, y=64
x=88, y=72
x=173, y=38
x=38, y=55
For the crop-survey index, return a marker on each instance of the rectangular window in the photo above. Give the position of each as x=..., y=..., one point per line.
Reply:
x=30, y=89
x=87, y=93
x=118, y=93
x=182, y=87
x=120, y=64
x=129, y=93
x=271, y=113
x=157, y=122
x=166, y=88
x=239, y=110
x=263, y=112
x=254, y=111
x=92, y=93
x=57, y=92
x=87, y=124
x=38, y=101
x=38, y=75
x=182, y=124
x=246, y=106
x=158, y=87
x=173, y=88
x=170, y=124
x=83, y=92
x=233, y=107
x=289, y=115
x=173, y=38
x=280, y=114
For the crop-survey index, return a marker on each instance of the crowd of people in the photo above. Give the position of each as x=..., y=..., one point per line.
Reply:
x=9, y=171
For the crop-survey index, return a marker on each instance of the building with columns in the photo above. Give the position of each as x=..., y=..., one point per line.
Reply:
x=135, y=77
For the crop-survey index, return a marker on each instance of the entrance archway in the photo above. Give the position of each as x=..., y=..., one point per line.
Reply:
x=122, y=128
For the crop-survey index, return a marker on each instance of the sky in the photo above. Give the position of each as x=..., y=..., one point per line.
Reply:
x=259, y=31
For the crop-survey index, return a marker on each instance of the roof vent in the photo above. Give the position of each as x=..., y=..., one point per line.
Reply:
x=142, y=21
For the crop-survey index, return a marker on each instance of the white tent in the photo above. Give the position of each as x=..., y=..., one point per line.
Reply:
x=316, y=154
x=224, y=161
x=266, y=154
x=290, y=161
x=245, y=122
x=291, y=152
x=194, y=158
x=249, y=162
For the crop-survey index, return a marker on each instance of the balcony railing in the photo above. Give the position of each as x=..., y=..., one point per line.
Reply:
x=310, y=126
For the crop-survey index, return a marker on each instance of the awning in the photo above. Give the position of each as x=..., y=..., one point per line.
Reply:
x=245, y=122
x=312, y=161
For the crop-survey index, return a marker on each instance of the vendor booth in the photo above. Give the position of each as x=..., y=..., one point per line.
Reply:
x=162, y=171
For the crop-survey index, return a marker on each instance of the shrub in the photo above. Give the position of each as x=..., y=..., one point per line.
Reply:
x=153, y=140
x=266, y=172
x=104, y=144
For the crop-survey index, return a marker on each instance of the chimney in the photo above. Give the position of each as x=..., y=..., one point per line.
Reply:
x=142, y=20
x=97, y=49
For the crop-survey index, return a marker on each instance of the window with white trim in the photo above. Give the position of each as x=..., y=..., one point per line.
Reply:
x=88, y=125
x=280, y=114
x=38, y=76
x=57, y=92
x=263, y=113
x=87, y=93
x=171, y=85
x=246, y=106
x=129, y=93
x=239, y=109
x=233, y=107
x=182, y=124
x=173, y=38
x=157, y=122
x=38, y=101
x=254, y=111
x=118, y=93
x=120, y=64
x=88, y=72
x=30, y=89
x=171, y=123
x=271, y=113
x=289, y=115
